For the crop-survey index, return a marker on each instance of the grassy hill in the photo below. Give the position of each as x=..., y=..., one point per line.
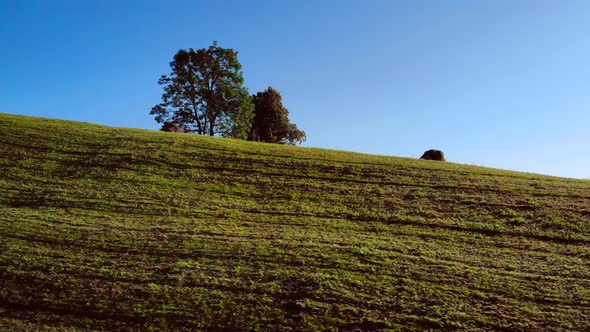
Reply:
x=113, y=229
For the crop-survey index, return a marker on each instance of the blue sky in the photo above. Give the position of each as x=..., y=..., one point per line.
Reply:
x=501, y=83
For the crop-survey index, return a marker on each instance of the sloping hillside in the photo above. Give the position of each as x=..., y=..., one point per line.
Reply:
x=114, y=229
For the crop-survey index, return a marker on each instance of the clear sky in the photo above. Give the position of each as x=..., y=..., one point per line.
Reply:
x=502, y=83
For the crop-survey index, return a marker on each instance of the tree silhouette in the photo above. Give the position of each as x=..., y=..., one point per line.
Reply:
x=271, y=120
x=204, y=93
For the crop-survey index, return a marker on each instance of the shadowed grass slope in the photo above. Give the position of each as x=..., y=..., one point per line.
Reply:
x=114, y=229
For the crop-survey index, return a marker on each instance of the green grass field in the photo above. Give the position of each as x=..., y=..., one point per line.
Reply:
x=121, y=229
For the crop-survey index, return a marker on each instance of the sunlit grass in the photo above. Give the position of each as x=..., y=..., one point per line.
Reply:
x=109, y=228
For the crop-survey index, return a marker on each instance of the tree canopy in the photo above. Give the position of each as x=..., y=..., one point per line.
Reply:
x=204, y=93
x=271, y=120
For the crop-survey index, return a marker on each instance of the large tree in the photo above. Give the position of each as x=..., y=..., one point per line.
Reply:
x=204, y=93
x=271, y=120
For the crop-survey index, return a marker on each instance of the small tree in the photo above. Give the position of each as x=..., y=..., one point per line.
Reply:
x=271, y=120
x=204, y=94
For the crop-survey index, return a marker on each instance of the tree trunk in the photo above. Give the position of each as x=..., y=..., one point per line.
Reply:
x=211, y=132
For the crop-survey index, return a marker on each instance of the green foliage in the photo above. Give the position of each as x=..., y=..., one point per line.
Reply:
x=108, y=229
x=204, y=93
x=271, y=120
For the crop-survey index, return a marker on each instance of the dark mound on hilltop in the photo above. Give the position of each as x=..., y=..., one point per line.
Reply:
x=433, y=155
x=172, y=127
